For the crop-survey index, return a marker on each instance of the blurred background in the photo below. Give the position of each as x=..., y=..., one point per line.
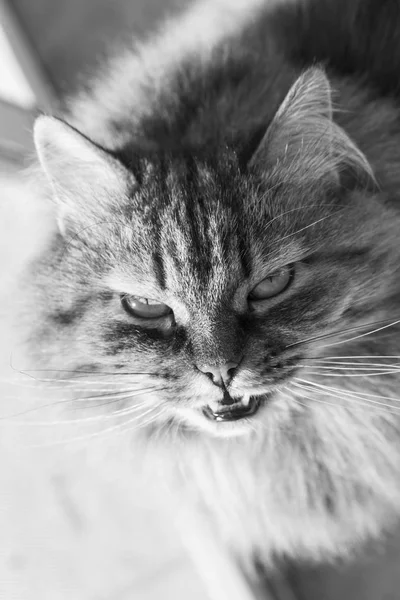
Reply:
x=49, y=47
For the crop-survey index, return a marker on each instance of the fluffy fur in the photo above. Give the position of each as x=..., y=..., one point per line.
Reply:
x=215, y=159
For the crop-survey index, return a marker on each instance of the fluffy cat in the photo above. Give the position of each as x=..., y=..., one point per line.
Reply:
x=227, y=201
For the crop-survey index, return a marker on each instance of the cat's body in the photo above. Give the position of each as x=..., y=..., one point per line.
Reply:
x=195, y=206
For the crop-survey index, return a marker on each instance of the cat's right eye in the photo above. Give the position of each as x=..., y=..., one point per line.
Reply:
x=144, y=308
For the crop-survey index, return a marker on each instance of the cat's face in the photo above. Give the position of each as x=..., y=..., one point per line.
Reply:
x=208, y=288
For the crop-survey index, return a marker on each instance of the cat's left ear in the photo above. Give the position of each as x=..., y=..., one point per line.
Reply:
x=304, y=144
x=85, y=179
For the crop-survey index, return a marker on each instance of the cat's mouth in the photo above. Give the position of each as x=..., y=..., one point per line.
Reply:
x=243, y=407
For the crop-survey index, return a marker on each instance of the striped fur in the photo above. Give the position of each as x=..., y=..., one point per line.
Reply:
x=219, y=153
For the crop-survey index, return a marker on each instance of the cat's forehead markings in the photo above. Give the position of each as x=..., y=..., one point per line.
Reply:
x=126, y=284
x=196, y=32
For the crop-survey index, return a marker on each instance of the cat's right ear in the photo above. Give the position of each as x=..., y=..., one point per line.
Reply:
x=85, y=179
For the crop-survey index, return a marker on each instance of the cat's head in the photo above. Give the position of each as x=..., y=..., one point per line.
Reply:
x=203, y=285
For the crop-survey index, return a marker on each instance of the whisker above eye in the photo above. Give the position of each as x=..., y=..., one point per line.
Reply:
x=308, y=226
x=298, y=208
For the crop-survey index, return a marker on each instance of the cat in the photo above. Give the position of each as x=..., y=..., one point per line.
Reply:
x=227, y=250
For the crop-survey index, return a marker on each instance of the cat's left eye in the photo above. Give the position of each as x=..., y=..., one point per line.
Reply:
x=144, y=308
x=272, y=285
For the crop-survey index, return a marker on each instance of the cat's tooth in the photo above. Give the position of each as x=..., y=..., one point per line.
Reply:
x=246, y=399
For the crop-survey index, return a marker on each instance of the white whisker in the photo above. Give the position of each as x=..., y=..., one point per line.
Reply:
x=64, y=383
x=329, y=388
x=365, y=374
x=287, y=212
x=357, y=337
x=360, y=356
x=112, y=397
x=141, y=425
x=355, y=402
x=104, y=431
x=92, y=418
x=356, y=366
x=307, y=226
x=342, y=332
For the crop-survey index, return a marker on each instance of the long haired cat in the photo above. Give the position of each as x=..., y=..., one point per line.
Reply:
x=227, y=255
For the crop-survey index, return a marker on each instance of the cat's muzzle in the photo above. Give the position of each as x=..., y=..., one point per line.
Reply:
x=234, y=411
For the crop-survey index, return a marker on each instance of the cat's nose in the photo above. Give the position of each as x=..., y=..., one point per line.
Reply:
x=220, y=375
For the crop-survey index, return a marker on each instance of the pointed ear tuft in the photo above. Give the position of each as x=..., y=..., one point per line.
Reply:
x=303, y=143
x=85, y=179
